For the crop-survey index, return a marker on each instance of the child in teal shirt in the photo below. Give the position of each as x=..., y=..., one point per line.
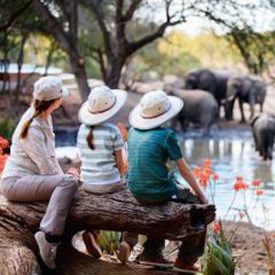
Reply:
x=150, y=146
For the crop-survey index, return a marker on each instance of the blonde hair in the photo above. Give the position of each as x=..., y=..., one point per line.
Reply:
x=39, y=106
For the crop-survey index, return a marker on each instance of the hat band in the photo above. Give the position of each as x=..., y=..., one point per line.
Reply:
x=105, y=110
x=165, y=111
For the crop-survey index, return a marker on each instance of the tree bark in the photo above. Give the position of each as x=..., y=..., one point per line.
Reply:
x=119, y=212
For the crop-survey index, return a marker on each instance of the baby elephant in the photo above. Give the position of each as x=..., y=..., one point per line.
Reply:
x=200, y=107
x=263, y=130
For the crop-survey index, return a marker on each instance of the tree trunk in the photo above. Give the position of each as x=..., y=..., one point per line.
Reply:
x=79, y=70
x=114, y=73
x=119, y=212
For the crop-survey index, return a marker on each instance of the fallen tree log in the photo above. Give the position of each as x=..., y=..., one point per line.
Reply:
x=118, y=212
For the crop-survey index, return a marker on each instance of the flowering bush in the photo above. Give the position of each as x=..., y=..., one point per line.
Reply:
x=218, y=257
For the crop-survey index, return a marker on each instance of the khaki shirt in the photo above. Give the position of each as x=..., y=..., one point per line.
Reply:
x=35, y=154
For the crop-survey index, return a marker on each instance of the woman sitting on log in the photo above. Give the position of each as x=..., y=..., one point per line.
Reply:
x=32, y=172
x=101, y=149
x=150, y=146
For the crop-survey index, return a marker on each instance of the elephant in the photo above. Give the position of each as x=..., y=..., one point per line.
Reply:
x=263, y=130
x=200, y=108
x=246, y=89
x=207, y=80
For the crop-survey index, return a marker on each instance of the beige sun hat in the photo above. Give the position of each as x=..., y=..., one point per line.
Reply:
x=102, y=104
x=154, y=109
x=48, y=88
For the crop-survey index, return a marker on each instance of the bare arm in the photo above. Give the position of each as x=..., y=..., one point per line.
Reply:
x=120, y=162
x=186, y=173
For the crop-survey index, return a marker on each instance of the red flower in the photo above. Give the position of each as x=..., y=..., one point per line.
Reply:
x=207, y=172
x=3, y=143
x=259, y=193
x=216, y=227
x=206, y=163
x=236, y=186
x=256, y=183
x=239, y=184
x=215, y=177
x=203, y=181
x=197, y=172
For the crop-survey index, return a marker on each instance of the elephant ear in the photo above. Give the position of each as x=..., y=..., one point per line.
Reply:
x=253, y=120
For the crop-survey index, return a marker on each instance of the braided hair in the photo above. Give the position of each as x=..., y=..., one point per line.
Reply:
x=40, y=106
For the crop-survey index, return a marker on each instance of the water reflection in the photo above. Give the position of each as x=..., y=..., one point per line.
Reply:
x=232, y=154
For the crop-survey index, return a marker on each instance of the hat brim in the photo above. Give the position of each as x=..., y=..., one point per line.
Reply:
x=86, y=117
x=138, y=122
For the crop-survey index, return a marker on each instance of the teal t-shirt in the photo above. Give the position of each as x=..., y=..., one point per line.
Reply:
x=149, y=152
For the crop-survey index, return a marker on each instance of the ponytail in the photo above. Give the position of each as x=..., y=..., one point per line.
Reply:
x=90, y=139
x=40, y=107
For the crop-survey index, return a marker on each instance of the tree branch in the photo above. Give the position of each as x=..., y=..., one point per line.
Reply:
x=131, y=10
x=136, y=45
x=53, y=26
x=15, y=16
x=106, y=34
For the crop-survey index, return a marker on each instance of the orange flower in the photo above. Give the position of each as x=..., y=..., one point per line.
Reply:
x=215, y=177
x=206, y=163
x=256, y=183
x=3, y=143
x=197, y=172
x=207, y=172
x=123, y=131
x=259, y=193
x=236, y=186
x=239, y=184
x=203, y=181
x=216, y=227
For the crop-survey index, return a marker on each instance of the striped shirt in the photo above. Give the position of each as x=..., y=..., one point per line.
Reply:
x=35, y=154
x=98, y=166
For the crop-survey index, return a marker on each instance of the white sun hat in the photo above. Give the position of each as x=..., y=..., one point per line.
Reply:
x=154, y=109
x=48, y=88
x=102, y=104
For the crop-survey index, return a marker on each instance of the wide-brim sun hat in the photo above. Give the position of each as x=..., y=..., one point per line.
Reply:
x=102, y=104
x=49, y=88
x=154, y=109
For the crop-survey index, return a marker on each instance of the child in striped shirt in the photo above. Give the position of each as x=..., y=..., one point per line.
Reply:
x=101, y=149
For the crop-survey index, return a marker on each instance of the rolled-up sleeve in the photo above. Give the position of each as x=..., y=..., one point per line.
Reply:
x=35, y=147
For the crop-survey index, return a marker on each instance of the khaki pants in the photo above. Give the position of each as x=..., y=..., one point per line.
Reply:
x=58, y=189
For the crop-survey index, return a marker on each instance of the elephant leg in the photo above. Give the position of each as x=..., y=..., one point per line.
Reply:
x=261, y=107
x=183, y=124
x=255, y=139
x=270, y=146
x=242, y=111
x=252, y=107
